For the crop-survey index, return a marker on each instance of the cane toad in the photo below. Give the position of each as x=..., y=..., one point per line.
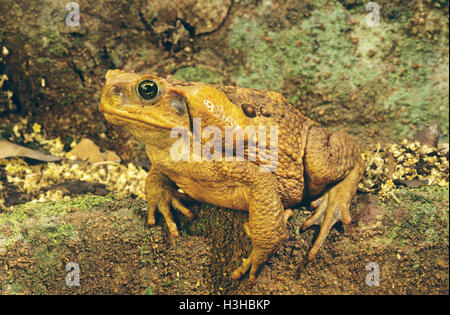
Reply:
x=191, y=132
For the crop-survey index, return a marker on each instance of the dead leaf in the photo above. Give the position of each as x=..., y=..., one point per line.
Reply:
x=87, y=150
x=413, y=183
x=111, y=156
x=9, y=149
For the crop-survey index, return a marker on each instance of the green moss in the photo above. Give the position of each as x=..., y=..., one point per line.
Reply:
x=427, y=219
x=41, y=226
x=396, y=76
x=57, y=233
x=318, y=48
x=197, y=74
x=148, y=291
x=27, y=215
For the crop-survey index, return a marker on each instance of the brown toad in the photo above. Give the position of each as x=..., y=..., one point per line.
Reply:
x=255, y=153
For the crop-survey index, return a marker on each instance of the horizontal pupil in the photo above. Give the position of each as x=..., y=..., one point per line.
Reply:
x=148, y=88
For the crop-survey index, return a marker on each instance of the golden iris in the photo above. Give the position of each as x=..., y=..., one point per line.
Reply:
x=147, y=89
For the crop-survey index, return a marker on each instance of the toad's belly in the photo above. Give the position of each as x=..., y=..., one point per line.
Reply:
x=221, y=194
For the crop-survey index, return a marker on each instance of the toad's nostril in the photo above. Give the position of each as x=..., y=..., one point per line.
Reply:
x=116, y=90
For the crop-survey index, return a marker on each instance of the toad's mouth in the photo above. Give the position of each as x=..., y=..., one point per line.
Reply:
x=133, y=115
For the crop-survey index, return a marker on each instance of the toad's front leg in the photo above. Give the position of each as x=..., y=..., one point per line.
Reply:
x=161, y=194
x=267, y=223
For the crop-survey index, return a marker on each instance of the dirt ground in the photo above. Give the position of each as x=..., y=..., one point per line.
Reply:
x=118, y=254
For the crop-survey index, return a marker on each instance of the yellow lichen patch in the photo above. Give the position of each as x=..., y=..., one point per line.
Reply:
x=54, y=146
x=122, y=180
x=403, y=163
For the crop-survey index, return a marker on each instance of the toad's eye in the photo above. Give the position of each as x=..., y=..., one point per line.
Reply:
x=147, y=89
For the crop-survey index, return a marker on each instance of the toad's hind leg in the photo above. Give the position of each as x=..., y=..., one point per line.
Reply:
x=333, y=167
x=267, y=221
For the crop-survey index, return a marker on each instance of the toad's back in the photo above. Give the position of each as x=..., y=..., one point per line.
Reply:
x=272, y=109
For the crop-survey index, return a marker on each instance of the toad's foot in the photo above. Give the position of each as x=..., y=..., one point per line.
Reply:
x=246, y=264
x=257, y=257
x=332, y=207
x=326, y=215
x=161, y=195
x=259, y=254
